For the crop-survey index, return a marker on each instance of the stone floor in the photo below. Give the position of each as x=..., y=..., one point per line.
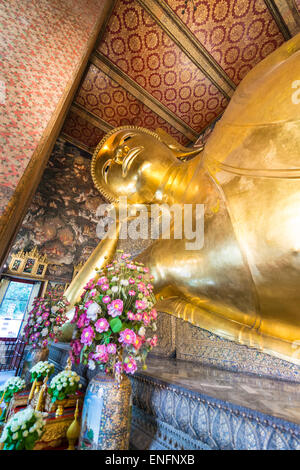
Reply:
x=270, y=396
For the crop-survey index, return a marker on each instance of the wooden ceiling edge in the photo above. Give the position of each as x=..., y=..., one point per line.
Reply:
x=189, y=45
x=90, y=117
x=275, y=12
x=77, y=143
x=112, y=71
x=105, y=23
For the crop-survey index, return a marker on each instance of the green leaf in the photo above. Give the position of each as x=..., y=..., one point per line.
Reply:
x=116, y=325
x=82, y=352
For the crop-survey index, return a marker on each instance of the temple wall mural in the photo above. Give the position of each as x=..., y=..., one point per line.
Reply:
x=61, y=221
x=41, y=49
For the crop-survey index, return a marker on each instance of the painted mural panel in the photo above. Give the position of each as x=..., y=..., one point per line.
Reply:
x=61, y=220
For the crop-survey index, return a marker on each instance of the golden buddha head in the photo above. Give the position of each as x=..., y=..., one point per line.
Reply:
x=132, y=161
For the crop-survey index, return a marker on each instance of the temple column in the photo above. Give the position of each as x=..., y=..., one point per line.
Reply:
x=45, y=51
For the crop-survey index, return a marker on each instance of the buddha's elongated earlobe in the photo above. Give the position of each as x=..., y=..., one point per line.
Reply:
x=179, y=151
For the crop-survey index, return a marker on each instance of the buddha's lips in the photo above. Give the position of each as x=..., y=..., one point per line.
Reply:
x=132, y=154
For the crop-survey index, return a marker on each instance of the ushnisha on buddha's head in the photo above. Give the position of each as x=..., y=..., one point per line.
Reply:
x=132, y=161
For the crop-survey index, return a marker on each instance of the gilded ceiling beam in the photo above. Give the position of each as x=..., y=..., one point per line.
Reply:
x=112, y=71
x=189, y=44
x=90, y=117
x=290, y=14
x=275, y=12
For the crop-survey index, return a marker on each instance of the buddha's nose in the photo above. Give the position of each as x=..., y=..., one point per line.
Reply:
x=120, y=154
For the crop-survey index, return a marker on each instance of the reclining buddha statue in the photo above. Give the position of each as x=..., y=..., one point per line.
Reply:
x=243, y=284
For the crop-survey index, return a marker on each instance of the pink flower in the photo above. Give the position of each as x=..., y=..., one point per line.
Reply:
x=131, y=293
x=111, y=348
x=47, y=323
x=87, y=335
x=77, y=347
x=45, y=343
x=153, y=341
x=153, y=314
x=130, y=365
x=115, y=308
x=131, y=280
x=146, y=270
x=83, y=321
x=105, y=287
x=102, y=280
x=140, y=305
x=146, y=319
x=138, y=316
x=127, y=336
x=130, y=315
x=138, y=342
x=101, y=325
x=119, y=367
x=101, y=353
x=141, y=286
x=106, y=299
x=45, y=316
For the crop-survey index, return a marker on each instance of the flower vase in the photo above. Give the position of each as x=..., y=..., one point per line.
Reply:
x=32, y=357
x=106, y=415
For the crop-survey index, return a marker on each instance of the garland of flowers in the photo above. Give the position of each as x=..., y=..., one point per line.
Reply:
x=11, y=386
x=23, y=430
x=114, y=318
x=64, y=384
x=45, y=319
x=41, y=370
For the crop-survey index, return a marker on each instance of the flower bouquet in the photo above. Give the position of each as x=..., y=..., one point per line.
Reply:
x=7, y=391
x=11, y=386
x=114, y=318
x=45, y=319
x=63, y=385
x=41, y=370
x=23, y=430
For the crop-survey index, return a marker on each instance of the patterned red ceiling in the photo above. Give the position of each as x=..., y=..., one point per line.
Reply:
x=139, y=47
x=237, y=34
x=108, y=100
x=82, y=131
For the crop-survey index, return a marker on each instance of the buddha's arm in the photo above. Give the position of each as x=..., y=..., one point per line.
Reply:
x=102, y=254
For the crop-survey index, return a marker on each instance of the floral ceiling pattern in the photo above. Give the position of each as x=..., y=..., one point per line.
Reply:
x=156, y=82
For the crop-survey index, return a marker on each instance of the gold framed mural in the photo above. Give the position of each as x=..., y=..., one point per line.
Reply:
x=31, y=264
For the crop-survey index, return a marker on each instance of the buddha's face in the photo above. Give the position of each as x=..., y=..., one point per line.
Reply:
x=132, y=163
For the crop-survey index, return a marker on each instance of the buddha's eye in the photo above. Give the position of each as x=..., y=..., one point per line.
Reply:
x=127, y=138
x=105, y=169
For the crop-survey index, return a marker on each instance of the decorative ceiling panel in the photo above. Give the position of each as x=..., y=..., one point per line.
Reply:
x=143, y=51
x=82, y=131
x=103, y=97
x=238, y=34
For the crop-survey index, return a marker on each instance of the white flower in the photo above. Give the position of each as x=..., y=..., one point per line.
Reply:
x=115, y=279
x=92, y=311
x=142, y=331
x=44, y=332
x=25, y=433
x=15, y=436
x=124, y=282
x=91, y=364
x=114, y=288
x=54, y=309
